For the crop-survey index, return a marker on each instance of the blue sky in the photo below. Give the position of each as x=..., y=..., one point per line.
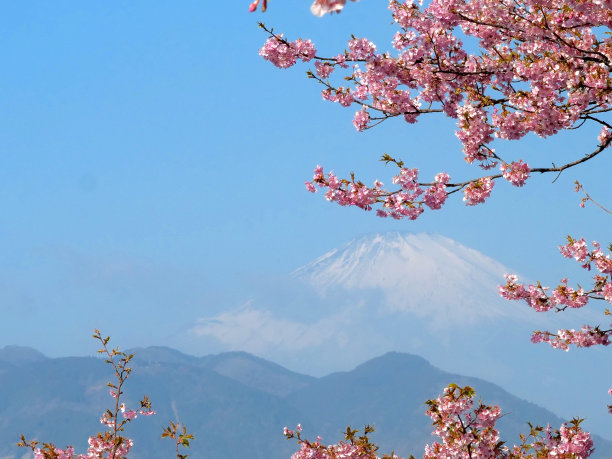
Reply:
x=153, y=164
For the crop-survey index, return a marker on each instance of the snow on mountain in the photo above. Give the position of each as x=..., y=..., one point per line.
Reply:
x=420, y=293
x=421, y=274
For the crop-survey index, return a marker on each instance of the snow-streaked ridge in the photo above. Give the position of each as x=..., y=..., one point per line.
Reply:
x=419, y=273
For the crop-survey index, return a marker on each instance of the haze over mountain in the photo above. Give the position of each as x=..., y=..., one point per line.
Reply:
x=236, y=404
x=20, y=355
x=425, y=275
x=418, y=293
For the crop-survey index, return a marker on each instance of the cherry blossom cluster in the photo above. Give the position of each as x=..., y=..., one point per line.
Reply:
x=353, y=447
x=343, y=96
x=344, y=192
x=407, y=202
x=461, y=427
x=586, y=337
x=516, y=173
x=479, y=190
x=538, y=298
x=99, y=446
x=604, y=135
x=578, y=250
x=436, y=194
x=563, y=296
x=322, y=7
x=540, y=67
x=569, y=442
x=361, y=119
x=465, y=430
x=284, y=54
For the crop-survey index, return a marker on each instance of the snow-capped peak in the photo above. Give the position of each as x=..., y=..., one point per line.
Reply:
x=417, y=273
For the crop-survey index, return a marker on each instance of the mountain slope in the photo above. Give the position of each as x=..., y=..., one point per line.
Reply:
x=243, y=367
x=389, y=392
x=256, y=373
x=62, y=399
x=423, y=274
x=423, y=294
x=20, y=355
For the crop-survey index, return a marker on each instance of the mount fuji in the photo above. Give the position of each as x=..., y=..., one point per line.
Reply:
x=417, y=274
x=423, y=294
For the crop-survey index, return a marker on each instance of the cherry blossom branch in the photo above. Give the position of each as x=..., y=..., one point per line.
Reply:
x=588, y=197
x=563, y=296
x=291, y=47
x=405, y=202
x=464, y=429
x=110, y=444
x=530, y=77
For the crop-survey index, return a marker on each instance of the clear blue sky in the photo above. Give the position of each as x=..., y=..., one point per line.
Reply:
x=152, y=168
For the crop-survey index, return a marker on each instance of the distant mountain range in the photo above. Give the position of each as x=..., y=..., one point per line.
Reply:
x=236, y=404
x=419, y=293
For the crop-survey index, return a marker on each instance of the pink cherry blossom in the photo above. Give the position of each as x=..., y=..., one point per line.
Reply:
x=464, y=429
x=361, y=120
x=606, y=291
x=516, y=173
x=476, y=192
x=322, y=7
x=323, y=69
x=284, y=54
x=361, y=49
x=435, y=196
x=604, y=136
x=521, y=75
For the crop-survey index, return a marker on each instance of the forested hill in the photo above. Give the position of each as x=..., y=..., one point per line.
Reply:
x=236, y=404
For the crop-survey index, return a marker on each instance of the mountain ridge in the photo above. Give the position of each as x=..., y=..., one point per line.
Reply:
x=18, y=355
x=388, y=391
